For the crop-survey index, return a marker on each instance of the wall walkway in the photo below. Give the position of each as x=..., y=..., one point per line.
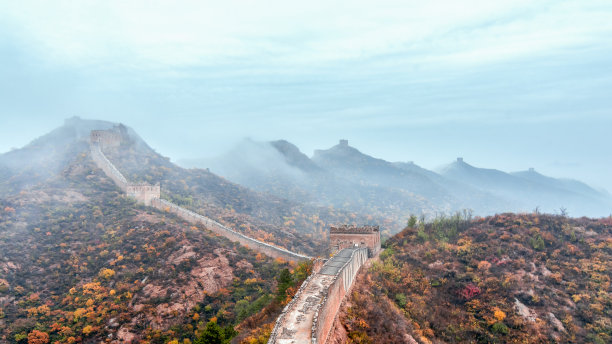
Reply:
x=309, y=317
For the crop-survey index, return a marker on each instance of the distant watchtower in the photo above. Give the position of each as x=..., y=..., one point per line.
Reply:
x=352, y=236
x=344, y=143
x=109, y=138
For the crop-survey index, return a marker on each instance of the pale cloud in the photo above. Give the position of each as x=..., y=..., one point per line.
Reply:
x=170, y=33
x=193, y=76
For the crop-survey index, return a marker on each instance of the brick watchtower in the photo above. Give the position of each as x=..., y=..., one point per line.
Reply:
x=352, y=236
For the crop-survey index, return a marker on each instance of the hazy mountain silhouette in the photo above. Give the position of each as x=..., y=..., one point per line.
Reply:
x=344, y=177
x=529, y=190
x=279, y=168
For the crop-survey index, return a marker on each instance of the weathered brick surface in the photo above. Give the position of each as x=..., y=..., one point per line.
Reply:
x=309, y=317
x=342, y=237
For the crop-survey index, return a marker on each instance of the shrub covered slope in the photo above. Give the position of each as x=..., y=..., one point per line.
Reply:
x=526, y=278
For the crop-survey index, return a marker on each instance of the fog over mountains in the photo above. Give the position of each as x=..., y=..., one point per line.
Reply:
x=344, y=177
x=339, y=180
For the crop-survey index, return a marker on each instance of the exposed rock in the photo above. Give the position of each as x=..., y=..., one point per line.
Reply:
x=409, y=339
x=153, y=291
x=545, y=272
x=569, y=303
x=207, y=277
x=125, y=336
x=184, y=253
x=524, y=311
x=338, y=335
x=5, y=300
x=113, y=322
x=436, y=265
x=243, y=264
x=6, y=267
x=556, y=323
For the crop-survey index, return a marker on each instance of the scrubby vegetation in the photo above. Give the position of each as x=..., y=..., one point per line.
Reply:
x=288, y=224
x=79, y=262
x=525, y=278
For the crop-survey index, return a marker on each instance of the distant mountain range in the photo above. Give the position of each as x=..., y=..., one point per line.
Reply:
x=344, y=177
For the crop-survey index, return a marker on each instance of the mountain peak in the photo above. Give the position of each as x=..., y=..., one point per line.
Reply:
x=293, y=155
x=457, y=165
x=342, y=149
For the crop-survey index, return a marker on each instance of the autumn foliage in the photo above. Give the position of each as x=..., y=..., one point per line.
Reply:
x=38, y=337
x=526, y=278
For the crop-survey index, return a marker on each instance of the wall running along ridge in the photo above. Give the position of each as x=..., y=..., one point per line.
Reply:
x=109, y=169
x=214, y=226
x=149, y=195
x=310, y=315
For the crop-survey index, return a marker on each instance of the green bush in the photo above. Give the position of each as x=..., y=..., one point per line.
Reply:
x=500, y=327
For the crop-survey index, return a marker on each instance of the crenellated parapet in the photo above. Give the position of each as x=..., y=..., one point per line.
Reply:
x=109, y=138
x=310, y=315
x=347, y=236
x=144, y=193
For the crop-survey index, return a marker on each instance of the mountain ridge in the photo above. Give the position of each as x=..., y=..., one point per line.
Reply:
x=455, y=187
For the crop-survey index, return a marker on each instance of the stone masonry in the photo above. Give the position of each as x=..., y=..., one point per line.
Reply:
x=341, y=237
x=309, y=317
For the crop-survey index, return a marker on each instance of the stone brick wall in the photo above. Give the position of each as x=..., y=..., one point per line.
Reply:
x=348, y=237
x=143, y=193
x=317, y=302
x=214, y=226
x=107, y=138
x=105, y=165
x=326, y=314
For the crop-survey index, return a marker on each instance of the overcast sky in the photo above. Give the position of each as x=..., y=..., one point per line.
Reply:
x=505, y=84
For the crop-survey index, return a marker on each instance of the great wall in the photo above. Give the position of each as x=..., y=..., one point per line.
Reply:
x=309, y=317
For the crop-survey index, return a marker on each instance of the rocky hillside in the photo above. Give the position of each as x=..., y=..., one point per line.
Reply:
x=291, y=224
x=79, y=262
x=526, y=278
